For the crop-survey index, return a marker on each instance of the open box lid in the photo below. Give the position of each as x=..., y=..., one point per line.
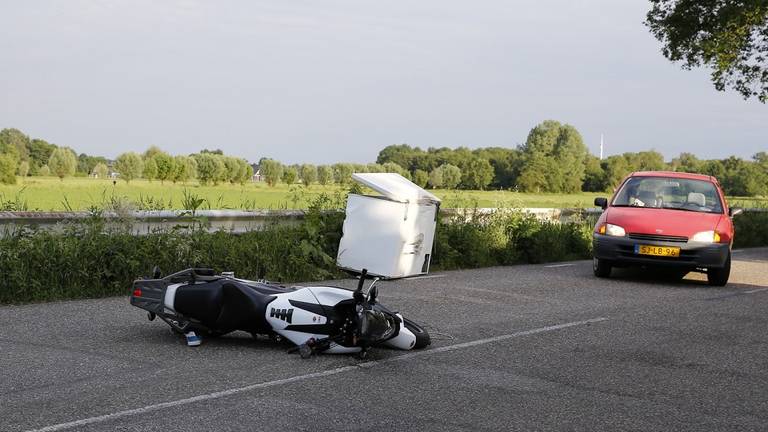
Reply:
x=395, y=187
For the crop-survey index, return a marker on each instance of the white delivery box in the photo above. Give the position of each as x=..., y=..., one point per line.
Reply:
x=389, y=235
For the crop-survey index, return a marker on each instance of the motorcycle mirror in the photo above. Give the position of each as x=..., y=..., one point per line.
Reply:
x=360, y=283
x=373, y=292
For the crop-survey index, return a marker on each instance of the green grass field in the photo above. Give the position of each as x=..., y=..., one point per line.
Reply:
x=48, y=193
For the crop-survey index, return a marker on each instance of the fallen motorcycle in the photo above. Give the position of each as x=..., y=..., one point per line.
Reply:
x=316, y=319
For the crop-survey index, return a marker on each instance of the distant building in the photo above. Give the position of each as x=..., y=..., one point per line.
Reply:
x=256, y=173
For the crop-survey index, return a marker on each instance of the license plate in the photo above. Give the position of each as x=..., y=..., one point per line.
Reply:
x=665, y=251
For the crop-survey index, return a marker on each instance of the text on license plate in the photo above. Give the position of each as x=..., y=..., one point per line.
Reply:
x=667, y=251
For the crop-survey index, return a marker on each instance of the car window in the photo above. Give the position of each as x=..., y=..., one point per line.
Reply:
x=669, y=193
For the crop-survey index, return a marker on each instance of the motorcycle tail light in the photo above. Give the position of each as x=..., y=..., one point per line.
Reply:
x=137, y=292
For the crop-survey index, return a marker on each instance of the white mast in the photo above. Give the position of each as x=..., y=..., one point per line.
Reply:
x=601, y=146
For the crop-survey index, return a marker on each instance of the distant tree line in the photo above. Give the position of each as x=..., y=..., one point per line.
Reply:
x=552, y=159
x=555, y=159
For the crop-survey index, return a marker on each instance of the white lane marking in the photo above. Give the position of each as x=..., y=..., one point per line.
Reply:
x=755, y=291
x=426, y=277
x=224, y=393
x=737, y=251
x=559, y=265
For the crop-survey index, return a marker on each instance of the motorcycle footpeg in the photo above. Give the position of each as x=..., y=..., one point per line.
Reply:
x=305, y=351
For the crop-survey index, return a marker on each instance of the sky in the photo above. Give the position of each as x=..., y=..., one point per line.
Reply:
x=322, y=82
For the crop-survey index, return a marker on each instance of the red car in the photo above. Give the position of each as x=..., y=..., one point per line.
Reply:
x=672, y=219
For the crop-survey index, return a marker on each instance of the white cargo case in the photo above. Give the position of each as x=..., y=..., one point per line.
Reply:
x=390, y=235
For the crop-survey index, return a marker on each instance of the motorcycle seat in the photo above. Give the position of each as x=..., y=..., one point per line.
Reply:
x=224, y=305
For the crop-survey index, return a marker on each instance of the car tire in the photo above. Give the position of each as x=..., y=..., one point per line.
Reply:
x=601, y=268
x=719, y=276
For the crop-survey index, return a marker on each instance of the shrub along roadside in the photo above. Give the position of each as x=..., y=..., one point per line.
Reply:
x=86, y=260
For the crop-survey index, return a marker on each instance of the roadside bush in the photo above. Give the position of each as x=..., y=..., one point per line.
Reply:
x=751, y=229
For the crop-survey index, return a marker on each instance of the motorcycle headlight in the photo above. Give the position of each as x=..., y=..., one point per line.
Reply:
x=612, y=230
x=706, y=237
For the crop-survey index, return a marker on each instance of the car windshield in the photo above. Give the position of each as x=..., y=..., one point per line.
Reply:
x=669, y=193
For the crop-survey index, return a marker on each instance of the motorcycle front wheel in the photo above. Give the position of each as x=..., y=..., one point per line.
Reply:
x=422, y=337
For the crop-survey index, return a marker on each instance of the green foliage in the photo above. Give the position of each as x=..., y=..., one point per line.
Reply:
x=751, y=229
x=476, y=174
x=13, y=141
x=436, y=178
x=165, y=166
x=553, y=159
x=23, y=169
x=730, y=37
x=290, y=174
x=100, y=170
x=150, y=169
x=44, y=171
x=324, y=175
x=7, y=169
x=86, y=163
x=207, y=168
x=343, y=173
x=271, y=170
x=308, y=173
x=63, y=162
x=39, y=153
x=420, y=177
x=451, y=175
x=129, y=165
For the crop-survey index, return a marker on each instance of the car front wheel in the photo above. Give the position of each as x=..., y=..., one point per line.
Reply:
x=719, y=276
x=601, y=267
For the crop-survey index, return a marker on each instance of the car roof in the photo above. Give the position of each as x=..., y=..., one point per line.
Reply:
x=673, y=174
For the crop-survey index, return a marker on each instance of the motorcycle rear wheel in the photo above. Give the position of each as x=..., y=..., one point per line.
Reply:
x=422, y=336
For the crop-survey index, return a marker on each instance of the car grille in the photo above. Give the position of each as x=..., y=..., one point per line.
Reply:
x=656, y=237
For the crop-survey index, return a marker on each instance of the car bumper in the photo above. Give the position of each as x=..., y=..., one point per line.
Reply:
x=621, y=250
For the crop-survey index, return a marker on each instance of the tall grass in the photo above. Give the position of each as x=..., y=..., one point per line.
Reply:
x=90, y=258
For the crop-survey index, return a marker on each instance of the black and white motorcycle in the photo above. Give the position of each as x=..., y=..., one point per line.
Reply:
x=316, y=319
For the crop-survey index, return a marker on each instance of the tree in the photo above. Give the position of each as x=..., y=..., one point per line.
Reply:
x=150, y=169
x=324, y=175
x=436, y=178
x=14, y=138
x=476, y=174
x=559, y=151
x=151, y=152
x=7, y=169
x=165, y=166
x=290, y=174
x=308, y=173
x=594, y=176
x=44, y=171
x=420, y=177
x=62, y=162
x=23, y=169
x=184, y=168
x=100, y=170
x=39, y=153
x=686, y=162
x=392, y=167
x=206, y=167
x=399, y=154
x=272, y=170
x=129, y=165
x=451, y=176
x=343, y=173
x=729, y=36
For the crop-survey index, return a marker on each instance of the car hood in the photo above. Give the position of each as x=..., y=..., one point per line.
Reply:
x=643, y=220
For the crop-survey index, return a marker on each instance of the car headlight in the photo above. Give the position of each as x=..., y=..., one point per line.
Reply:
x=706, y=237
x=612, y=230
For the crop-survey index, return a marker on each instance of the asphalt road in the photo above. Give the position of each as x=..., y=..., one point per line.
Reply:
x=544, y=347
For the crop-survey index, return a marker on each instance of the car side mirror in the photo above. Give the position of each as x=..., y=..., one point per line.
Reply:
x=733, y=211
x=601, y=202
